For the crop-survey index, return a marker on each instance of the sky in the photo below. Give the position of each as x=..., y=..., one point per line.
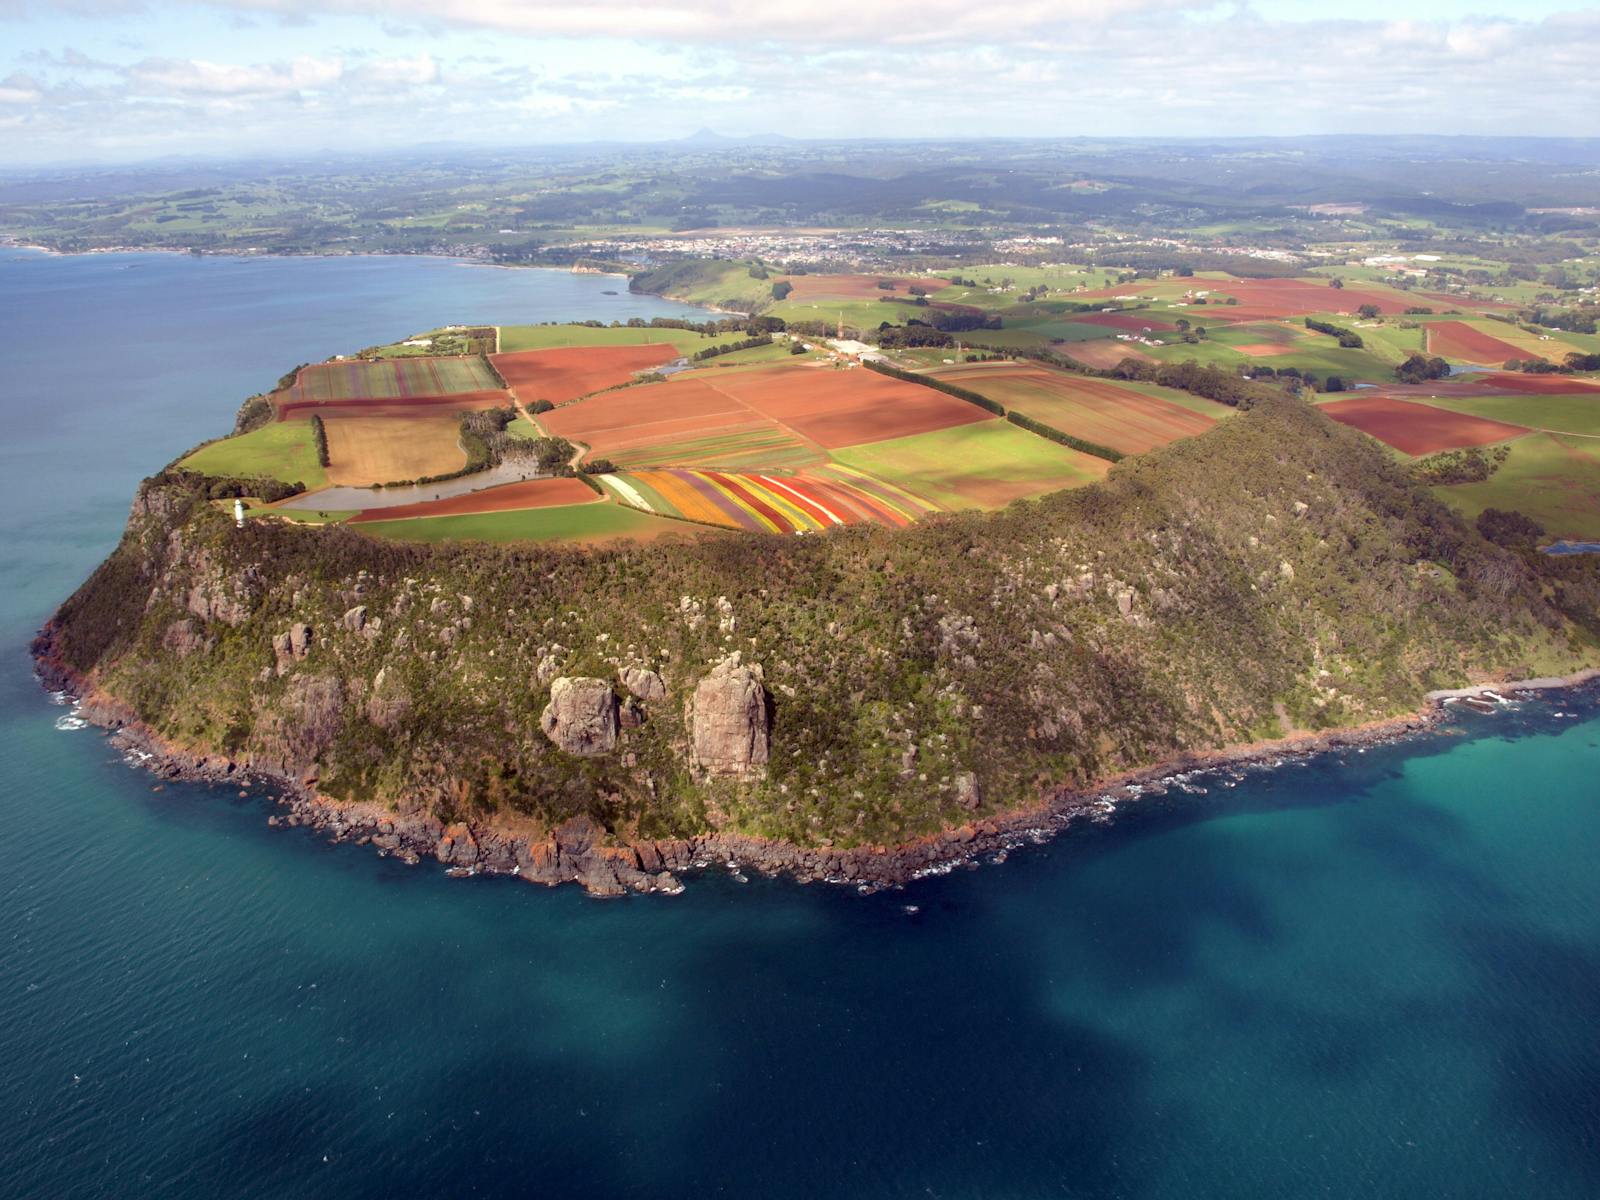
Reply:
x=124, y=80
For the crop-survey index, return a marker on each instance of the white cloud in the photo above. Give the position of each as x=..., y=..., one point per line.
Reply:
x=415, y=71
x=194, y=76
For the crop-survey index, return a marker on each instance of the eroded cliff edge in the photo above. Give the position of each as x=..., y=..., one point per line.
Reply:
x=605, y=715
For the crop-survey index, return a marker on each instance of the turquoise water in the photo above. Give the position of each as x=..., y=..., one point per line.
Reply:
x=1370, y=976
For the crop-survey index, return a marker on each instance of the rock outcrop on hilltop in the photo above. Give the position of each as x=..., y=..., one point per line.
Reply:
x=607, y=714
x=728, y=720
x=581, y=717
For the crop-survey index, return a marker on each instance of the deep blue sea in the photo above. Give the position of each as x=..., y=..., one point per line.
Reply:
x=1375, y=975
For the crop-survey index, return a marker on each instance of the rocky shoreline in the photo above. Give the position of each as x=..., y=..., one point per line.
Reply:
x=575, y=852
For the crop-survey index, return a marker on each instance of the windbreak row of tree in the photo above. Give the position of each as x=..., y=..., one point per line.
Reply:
x=749, y=343
x=319, y=437
x=1348, y=338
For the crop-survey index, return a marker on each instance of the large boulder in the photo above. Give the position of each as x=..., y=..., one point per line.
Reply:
x=581, y=717
x=643, y=683
x=728, y=720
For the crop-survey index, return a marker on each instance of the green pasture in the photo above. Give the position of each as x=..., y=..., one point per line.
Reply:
x=1576, y=414
x=942, y=465
x=1553, y=478
x=1321, y=357
x=283, y=450
x=566, y=522
x=547, y=337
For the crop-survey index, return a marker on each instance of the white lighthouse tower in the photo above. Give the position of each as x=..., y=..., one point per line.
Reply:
x=238, y=513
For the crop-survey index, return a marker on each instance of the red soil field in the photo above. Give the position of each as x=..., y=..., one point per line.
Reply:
x=847, y=408
x=1265, y=349
x=531, y=493
x=564, y=374
x=1538, y=385
x=1457, y=339
x=409, y=406
x=1417, y=428
x=827, y=407
x=651, y=415
x=855, y=287
x=1129, y=322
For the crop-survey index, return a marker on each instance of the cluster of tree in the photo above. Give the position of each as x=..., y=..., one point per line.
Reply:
x=1419, y=369
x=963, y=320
x=912, y=334
x=1572, y=320
x=749, y=343
x=781, y=289
x=1333, y=383
x=1213, y=383
x=229, y=487
x=1472, y=465
x=319, y=438
x=253, y=414
x=1574, y=362
x=1348, y=338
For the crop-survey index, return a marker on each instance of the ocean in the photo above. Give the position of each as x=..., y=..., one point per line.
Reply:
x=1369, y=974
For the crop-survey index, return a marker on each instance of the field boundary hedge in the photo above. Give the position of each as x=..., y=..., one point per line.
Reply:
x=938, y=385
x=1066, y=439
x=319, y=435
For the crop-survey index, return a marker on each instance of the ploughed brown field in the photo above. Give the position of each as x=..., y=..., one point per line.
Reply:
x=366, y=450
x=829, y=408
x=1418, y=428
x=1539, y=385
x=1103, y=355
x=377, y=406
x=856, y=287
x=1098, y=411
x=1457, y=339
x=563, y=374
x=531, y=493
x=1128, y=322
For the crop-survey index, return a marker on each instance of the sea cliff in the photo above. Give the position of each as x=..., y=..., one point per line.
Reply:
x=861, y=705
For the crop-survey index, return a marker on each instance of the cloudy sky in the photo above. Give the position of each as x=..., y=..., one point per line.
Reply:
x=129, y=79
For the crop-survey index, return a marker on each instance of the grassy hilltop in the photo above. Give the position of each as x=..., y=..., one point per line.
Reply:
x=1279, y=572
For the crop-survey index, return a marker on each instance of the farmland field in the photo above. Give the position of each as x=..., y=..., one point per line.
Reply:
x=1418, y=428
x=828, y=408
x=1107, y=413
x=769, y=503
x=388, y=379
x=1552, y=478
x=1103, y=355
x=1576, y=414
x=409, y=406
x=563, y=374
x=547, y=337
x=983, y=465
x=532, y=493
x=277, y=451
x=1458, y=340
x=368, y=450
x=1125, y=322
x=1546, y=385
x=808, y=288
x=584, y=524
